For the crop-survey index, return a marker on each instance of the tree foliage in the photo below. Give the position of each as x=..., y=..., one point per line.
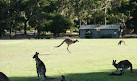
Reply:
x=59, y=24
x=57, y=16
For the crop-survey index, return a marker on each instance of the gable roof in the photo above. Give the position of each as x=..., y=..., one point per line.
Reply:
x=99, y=27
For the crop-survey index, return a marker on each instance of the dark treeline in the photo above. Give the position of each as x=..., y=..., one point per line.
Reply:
x=56, y=16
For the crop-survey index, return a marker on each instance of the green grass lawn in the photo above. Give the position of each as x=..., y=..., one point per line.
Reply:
x=89, y=60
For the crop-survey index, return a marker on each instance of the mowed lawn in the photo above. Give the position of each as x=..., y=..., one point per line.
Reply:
x=89, y=60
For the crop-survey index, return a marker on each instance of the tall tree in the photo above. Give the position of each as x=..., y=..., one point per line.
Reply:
x=59, y=24
x=132, y=21
x=27, y=12
x=3, y=17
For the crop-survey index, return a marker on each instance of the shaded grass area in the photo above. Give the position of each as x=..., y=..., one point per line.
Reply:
x=89, y=60
x=95, y=76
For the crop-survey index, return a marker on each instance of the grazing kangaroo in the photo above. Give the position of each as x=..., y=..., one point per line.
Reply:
x=68, y=42
x=63, y=78
x=120, y=42
x=125, y=64
x=117, y=73
x=3, y=77
x=40, y=67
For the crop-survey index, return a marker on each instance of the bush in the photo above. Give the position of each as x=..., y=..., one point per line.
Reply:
x=42, y=37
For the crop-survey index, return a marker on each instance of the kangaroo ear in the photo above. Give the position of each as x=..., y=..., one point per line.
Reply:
x=114, y=61
x=37, y=53
x=77, y=40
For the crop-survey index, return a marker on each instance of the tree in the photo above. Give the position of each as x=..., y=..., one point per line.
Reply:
x=132, y=21
x=59, y=24
x=3, y=17
x=27, y=12
x=40, y=15
x=58, y=15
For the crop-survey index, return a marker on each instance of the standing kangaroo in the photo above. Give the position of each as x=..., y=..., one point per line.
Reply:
x=63, y=78
x=125, y=64
x=68, y=42
x=120, y=42
x=40, y=67
x=3, y=77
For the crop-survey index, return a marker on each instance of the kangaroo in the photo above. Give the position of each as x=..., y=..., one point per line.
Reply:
x=40, y=67
x=63, y=78
x=125, y=64
x=120, y=42
x=3, y=77
x=117, y=73
x=68, y=42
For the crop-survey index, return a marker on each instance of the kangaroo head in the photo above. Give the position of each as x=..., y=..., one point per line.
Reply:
x=63, y=77
x=114, y=62
x=3, y=77
x=77, y=40
x=36, y=55
x=121, y=71
x=74, y=41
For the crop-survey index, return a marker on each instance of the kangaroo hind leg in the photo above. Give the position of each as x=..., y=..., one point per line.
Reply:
x=38, y=75
x=68, y=49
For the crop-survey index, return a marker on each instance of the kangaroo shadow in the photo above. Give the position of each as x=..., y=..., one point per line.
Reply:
x=44, y=54
x=93, y=76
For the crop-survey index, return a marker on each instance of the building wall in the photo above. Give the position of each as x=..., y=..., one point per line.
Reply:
x=82, y=33
x=109, y=34
x=101, y=34
x=94, y=34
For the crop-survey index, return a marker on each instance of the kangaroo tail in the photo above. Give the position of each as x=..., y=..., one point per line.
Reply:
x=118, y=43
x=131, y=69
x=49, y=77
x=124, y=43
x=60, y=44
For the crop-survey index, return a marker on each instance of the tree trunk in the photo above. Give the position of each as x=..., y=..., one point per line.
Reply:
x=105, y=21
x=135, y=30
x=94, y=20
x=38, y=28
x=25, y=26
x=79, y=20
x=38, y=32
